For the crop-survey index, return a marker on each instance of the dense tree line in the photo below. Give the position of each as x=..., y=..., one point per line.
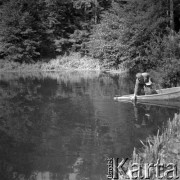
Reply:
x=137, y=34
x=33, y=29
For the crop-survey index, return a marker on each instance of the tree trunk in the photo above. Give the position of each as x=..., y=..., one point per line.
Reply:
x=95, y=11
x=172, y=17
x=172, y=54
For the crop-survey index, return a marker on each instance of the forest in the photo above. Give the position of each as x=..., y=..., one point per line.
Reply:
x=138, y=35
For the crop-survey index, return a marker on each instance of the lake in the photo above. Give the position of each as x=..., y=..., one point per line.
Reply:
x=64, y=126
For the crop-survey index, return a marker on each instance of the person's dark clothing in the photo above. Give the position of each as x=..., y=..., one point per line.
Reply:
x=141, y=88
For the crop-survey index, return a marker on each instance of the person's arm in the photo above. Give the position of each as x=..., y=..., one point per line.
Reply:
x=136, y=87
x=135, y=90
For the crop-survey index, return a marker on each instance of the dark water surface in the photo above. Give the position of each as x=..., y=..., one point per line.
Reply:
x=64, y=126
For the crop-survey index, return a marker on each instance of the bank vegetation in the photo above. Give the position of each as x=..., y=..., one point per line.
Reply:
x=164, y=148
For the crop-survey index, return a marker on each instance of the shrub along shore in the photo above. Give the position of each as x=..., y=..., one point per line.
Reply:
x=72, y=62
x=164, y=149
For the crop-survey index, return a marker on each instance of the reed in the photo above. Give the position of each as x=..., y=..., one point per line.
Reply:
x=163, y=147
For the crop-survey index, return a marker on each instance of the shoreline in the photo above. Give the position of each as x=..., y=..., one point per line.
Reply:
x=67, y=63
x=111, y=71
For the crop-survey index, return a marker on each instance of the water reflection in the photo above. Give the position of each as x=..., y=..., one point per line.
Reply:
x=147, y=115
x=64, y=126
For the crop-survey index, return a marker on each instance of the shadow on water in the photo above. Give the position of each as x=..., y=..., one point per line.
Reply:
x=64, y=126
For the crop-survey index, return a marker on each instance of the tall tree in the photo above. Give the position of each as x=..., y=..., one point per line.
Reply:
x=22, y=29
x=140, y=21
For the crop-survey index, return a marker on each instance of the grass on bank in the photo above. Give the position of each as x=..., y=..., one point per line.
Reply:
x=74, y=61
x=164, y=147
